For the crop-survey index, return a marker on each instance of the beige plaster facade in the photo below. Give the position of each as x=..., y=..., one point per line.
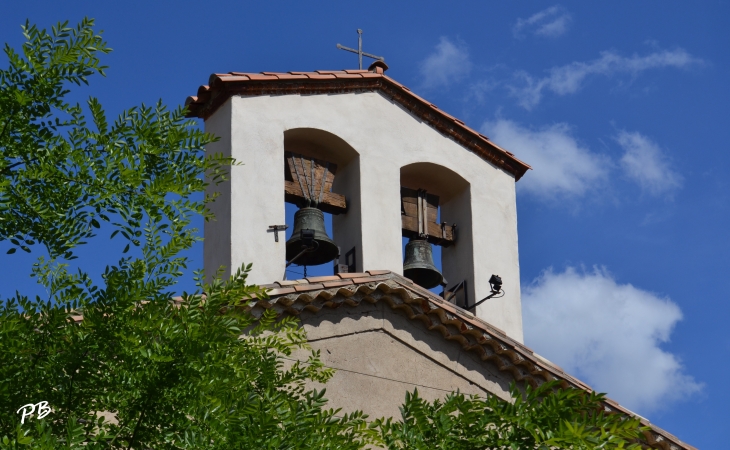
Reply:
x=379, y=355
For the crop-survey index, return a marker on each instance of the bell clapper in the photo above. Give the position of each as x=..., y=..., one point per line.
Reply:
x=306, y=250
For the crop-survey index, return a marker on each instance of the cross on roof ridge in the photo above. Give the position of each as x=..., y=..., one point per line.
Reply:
x=359, y=51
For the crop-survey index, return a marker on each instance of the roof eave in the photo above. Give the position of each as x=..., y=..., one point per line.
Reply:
x=223, y=86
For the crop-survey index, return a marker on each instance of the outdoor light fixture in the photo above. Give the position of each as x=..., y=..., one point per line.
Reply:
x=495, y=282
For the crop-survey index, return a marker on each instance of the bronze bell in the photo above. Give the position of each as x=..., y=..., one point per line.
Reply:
x=418, y=265
x=322, y=249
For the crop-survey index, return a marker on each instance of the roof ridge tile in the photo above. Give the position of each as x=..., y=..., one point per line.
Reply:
x=339, y=283
x=352, y=275
x=379, y=272
x=281, y=291
x=308, y=287
x=323, y=278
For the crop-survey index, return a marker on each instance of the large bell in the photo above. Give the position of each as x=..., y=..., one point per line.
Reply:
x=323, y=249
x=418, y=265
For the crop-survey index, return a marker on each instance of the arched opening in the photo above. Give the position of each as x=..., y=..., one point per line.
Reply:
x=453, y=254
x=343, y=227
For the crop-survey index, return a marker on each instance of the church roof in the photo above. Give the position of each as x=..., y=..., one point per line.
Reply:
x=221, y=86
x=315, y=294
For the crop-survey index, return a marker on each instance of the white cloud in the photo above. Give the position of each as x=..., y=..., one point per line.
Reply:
x=608, y=335
x=569, y=79
x=644, y=163
x=562, y=166
x=551, y=22
x=449, y=62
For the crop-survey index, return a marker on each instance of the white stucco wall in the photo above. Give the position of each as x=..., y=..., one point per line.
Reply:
x=386, y=137
x=217, y=233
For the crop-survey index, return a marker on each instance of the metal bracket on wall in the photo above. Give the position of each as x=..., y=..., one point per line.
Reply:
x=449, y=294
x=351, y=260
x=276, y=229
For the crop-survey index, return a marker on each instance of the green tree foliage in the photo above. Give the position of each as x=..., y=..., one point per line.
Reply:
x=123, y=366
x=139, y=371
x=542, y=418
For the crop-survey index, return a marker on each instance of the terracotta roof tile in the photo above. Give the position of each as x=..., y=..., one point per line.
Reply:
x=288, y=282
x=308, y=287
x=281, y=291
x=258, y=77
x=237, y=78
x=352, y=275
x=317, y=76
x=345, y=76
x=379, y=272
x=448, y=116
x=326, y=81
x=290, y=76
x=368, y=279
x=340, y=283
x=321, y=279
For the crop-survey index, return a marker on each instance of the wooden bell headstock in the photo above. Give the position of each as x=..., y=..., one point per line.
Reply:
x=419, y=214
x=308, y=182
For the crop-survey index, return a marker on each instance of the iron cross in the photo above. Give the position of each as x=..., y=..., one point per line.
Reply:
x=359, y=51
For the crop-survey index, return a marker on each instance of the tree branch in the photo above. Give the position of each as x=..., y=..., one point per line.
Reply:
x=12, y=166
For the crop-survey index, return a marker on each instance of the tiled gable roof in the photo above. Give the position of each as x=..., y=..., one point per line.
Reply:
x=315, y=294
x=221, y=86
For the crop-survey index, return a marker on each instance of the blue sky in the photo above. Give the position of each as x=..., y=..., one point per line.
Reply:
x=621, y=107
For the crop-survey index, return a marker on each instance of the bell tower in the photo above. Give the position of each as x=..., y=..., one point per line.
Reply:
x=384, y=162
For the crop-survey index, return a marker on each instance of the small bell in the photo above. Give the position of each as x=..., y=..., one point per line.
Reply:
x=418, y=265
x=324, y=249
